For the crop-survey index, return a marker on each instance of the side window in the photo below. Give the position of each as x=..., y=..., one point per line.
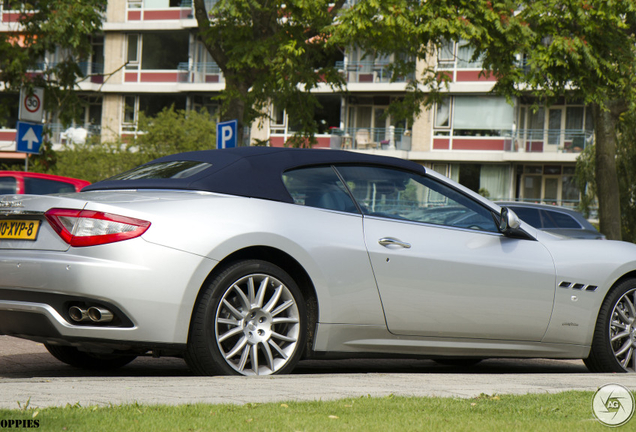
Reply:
x=8, y=185
x=318, y=187
x=39, y=186
x=562, y=220
x=403, y=195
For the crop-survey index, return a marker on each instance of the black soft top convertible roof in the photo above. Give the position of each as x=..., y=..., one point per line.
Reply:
x=250, y=171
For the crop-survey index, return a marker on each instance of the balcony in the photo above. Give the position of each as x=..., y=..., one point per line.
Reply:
x=367, y=72
x=390, y=138
x=154, y=76
x=11, y=16
x=159, y=10
x=523, y=140
x=206, y=72
x=545, y=141
x=93, y=71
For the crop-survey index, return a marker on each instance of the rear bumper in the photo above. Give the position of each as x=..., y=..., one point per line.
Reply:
x=36, y=322
x=151, y=290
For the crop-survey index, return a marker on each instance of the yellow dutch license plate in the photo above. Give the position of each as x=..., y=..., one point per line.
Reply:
x=19, y=229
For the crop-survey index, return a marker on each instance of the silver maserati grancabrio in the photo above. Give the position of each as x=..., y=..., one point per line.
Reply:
x=244, y=261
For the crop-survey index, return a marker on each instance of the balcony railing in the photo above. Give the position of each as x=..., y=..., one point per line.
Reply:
x=368, y=72
x=371, y=138
x=204, y=72
x=88, y=68
x=545, y=140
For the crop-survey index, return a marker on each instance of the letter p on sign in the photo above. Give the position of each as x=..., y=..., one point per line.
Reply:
x=226, y=134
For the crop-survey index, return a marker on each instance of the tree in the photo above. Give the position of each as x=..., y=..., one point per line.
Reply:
x=271, y=52
x=175, y=131
x=277, y=52
x=48, y=26
x=626, y=169
x=578, y=49
x=414, y=30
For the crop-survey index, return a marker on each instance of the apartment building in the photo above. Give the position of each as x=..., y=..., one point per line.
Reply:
x=148, y=57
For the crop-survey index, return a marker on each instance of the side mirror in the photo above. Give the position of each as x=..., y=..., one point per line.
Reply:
x=508, y=222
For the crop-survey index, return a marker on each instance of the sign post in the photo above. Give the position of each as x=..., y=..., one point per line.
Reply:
x=226, y=134
x=28, y=137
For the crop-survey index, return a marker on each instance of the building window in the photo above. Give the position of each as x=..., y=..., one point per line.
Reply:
x=363, y=67
x=132, y=54
x=442, y=113
x=150, y=105
x=479, y=116
x=548, y=184
x=326, y=116
x=205, y=102
x=156, y=4
x=278, y=121
x=9, y=107
x=558, y=128
x=440, y=168
x=130, y=113
x=164, y=50
x=457, y=55
x=157, y=50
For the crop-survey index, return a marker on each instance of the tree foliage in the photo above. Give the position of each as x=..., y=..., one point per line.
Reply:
x=278, y=51
x=271, y=52
x=175, y=131
x=581, y=50
x=414, y=30
x=62, y=26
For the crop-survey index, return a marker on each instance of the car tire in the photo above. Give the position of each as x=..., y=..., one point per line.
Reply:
x=85, y=360
x=459, y=362
x=614, y=336
x=250, y=320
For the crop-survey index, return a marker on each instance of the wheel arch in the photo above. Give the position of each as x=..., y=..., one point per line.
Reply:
x=602, y=357
x=628, y=275
x=286, y=262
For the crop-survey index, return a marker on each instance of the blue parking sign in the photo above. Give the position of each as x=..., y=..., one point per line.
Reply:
x=28, y=137
x=226, y=134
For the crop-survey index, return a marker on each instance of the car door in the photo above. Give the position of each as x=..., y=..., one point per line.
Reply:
x=441, y=266
x=334, y=238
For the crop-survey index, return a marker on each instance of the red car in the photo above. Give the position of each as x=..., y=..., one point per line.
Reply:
x=19, y=182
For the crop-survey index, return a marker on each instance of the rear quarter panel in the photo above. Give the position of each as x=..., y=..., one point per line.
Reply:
x=329, y=245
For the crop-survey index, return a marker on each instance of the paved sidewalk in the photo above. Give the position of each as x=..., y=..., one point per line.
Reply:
x=28, y=373
x=43, y=392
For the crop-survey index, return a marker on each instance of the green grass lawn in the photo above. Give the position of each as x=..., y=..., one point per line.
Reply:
x=568, y=411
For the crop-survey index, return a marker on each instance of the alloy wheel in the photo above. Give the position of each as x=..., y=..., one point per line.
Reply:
x=622, y=330
x=257, y=325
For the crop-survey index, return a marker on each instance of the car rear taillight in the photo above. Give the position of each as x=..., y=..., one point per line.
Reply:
x=89, y=228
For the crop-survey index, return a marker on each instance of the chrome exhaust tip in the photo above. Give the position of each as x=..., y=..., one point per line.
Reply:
x=77, y=314
x=99, y=315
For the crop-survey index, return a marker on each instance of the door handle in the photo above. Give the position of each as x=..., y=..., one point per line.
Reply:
x=389, y=241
